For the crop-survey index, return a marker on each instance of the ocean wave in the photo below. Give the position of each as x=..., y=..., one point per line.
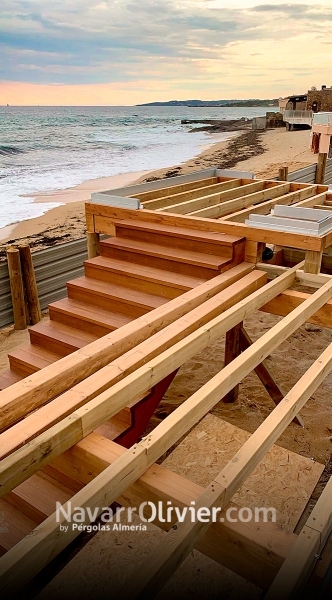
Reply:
x=9, y=150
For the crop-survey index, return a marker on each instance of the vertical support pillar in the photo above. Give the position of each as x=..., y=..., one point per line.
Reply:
x=93, y=242
x=313, y=261
x=17, y=289
x=232, y=350
x=321, y=167
x=29, y=279
x=283, y=174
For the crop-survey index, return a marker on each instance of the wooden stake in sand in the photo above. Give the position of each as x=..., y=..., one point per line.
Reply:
x=29, y=279
x=17, y=289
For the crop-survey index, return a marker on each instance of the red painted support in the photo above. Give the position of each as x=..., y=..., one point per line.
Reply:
x=143, y=411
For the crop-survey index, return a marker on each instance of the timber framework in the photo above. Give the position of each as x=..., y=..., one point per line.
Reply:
x=178, y=271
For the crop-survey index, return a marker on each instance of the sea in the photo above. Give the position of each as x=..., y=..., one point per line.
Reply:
x=43, y=149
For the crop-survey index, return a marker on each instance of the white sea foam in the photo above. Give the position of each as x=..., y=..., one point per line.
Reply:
x=60, y=147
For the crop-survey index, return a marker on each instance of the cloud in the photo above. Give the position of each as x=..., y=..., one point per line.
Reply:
x=176, y=42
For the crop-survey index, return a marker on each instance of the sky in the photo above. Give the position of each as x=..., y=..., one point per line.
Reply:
x=126, y=52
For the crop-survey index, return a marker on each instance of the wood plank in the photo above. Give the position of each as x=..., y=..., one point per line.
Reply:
x=168, y=555
x=134, y=275
x=174, y=189
x=22, y=562
x=264, y=374
x=78, y=396
x=231, y=206
x=232, y=350
x=192, y=205
x=302, y=559
x=41, y=421
x=289, y=299
x=187, y=196
x=264, y=208
x=106, y=215
x=169, y=254
x=263, y=546
x=74, y=368
x=313, y=261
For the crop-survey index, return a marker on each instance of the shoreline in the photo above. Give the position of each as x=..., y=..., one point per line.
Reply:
x=261, y=152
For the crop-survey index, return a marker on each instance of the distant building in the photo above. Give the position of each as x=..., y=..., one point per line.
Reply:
x=320, y=100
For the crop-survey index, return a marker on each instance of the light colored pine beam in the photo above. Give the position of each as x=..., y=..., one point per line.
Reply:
x=184, y=197
x=265, y=207
x=160, y=565
x=205, y=201
x=231, y=206
x=302, y=559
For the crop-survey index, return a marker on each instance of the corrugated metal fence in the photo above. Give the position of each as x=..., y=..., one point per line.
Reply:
x=307, y=175
x=55, y=266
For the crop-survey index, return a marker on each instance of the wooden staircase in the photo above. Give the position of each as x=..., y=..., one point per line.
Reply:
x=139, y=269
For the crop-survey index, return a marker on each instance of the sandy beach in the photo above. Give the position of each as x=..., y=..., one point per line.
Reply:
x=262, y=153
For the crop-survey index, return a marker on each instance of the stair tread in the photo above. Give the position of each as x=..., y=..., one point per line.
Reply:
x=116, y=292
x=176, y=254
x=63, y=333
x=154, y=274
x=8, y=378
x=13, y=525
x=89, y=312
x=192, y=234
x=33, y=357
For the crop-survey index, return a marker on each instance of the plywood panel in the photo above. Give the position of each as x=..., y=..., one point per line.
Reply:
x=283, y=479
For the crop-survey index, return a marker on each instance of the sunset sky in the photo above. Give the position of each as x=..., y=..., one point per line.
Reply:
x=124, y=52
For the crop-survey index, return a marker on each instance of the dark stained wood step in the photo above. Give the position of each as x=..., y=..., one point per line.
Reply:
x=59, y=338
x=92, y=319
x=8, y=378
x=174, y=259
x=111, y=296
x=29, y=359
x=204, y=242
x=141, y=277
x=13, y=526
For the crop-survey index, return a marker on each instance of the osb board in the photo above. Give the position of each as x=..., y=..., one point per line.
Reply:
x=283, y=479
x=103, y=566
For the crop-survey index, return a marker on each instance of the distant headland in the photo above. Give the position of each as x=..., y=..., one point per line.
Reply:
x=224, y=103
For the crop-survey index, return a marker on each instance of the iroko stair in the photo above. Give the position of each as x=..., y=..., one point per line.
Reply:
x=139, y=269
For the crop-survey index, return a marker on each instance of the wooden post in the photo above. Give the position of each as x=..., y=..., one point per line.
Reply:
x=30, y=284
x=17, y=289
x=265, y=375
x=321, y=167
x=93, y=241
x=283, y=174
x=313, y=261
x=232, y=350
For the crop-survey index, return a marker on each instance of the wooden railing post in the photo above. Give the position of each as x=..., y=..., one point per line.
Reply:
x=283, y=174
x=321, y=167
x=16, y=287
x=93, y=242
x=30, y=284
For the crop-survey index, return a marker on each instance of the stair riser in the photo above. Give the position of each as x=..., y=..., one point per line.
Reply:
x=90, y=297
x=170, y=241
x=158, y=263
x=98, y=329
x=133, y=283
x=20, y=367
x=51, y=344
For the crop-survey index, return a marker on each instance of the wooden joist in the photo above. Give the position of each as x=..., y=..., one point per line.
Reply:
x=70, y=370
x=231, y=206
x=303, y=557
x=203, y=202
x=289, y=299
x=175, y=189
x=263, y=208
x=188, y=196
x=29, y=555
x=80, y=394
x=152, y=575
